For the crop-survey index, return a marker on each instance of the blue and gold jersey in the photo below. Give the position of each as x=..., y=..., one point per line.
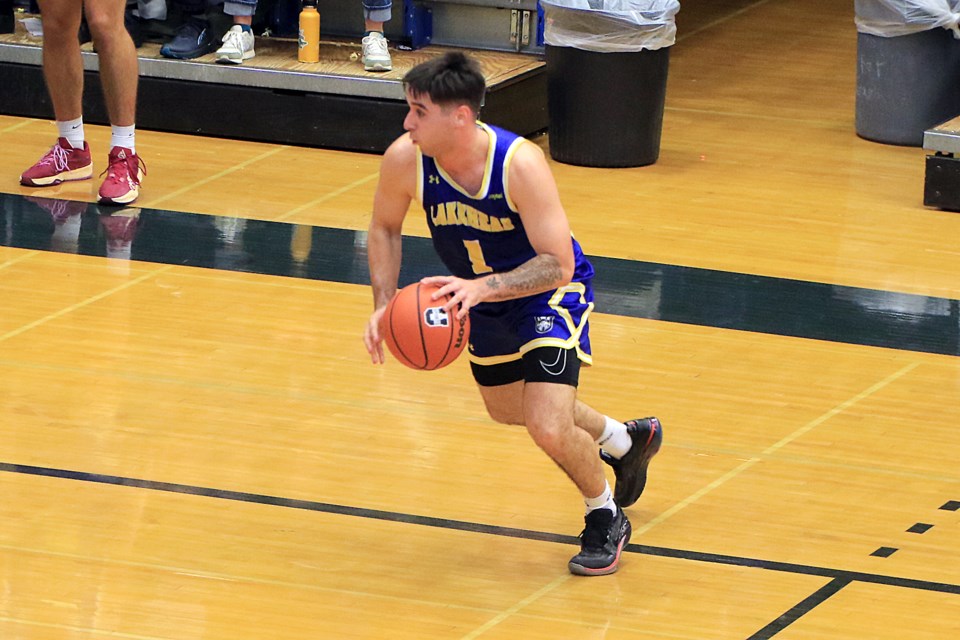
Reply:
x=479, y=233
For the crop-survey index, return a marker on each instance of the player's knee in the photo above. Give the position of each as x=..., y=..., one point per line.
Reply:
x=548, y=436
x=60, y=29
x=104, y=27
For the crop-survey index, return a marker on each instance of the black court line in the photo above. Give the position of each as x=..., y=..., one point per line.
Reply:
x=475, y=527
x=801, y=609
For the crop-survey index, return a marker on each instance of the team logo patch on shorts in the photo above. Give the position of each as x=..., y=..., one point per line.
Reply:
x=436, y=317
x=544, y=324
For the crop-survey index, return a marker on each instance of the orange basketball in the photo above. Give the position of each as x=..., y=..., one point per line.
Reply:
x=419, y=333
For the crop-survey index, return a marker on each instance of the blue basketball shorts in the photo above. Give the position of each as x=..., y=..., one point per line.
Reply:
x=502, y=332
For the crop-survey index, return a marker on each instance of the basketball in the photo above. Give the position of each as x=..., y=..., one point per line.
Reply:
x=419, y=333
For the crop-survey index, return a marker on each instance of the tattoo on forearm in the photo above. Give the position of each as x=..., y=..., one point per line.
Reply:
x=538, y=274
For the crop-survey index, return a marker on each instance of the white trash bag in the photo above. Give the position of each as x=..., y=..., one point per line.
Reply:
x=610, y=26
x=891, y=18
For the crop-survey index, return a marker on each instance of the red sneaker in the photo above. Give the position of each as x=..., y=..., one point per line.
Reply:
x=60, y=164
x=120, y=226
x=59, y=210
x=124, y=172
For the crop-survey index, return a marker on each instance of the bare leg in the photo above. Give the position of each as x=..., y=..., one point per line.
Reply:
x=547, y=410
x=62, y=64
x=371, y=25
x=589, y=419
x=119, y=72
x=505, y=405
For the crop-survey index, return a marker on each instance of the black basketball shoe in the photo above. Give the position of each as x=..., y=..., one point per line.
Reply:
x=601, y=543
x=631, y=469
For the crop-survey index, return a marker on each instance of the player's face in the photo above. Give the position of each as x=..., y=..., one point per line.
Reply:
x=429, y=124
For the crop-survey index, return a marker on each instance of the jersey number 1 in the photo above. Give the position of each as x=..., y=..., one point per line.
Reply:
x=477, y=261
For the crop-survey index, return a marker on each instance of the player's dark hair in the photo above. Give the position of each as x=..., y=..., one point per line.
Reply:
x=450, y=79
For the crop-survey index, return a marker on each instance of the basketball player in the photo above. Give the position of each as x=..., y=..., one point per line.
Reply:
x=69, y=158
x=497, y=224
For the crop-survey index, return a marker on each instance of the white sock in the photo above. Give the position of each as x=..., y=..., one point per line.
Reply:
x=615, y=440
x=123, y=137
x=66, y=235
x=605, y=499
x=72, y=130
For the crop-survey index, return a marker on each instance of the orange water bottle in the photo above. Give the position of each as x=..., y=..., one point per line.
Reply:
x=308, y=49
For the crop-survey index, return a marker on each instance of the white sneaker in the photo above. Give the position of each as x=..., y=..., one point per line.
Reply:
x=237, y=46
x=376, y=56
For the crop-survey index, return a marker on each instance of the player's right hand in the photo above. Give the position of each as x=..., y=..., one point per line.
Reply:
x=372, y=338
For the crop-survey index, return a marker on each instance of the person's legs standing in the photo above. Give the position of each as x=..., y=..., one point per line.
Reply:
x=376, y=55
x=62, y=64
x=119, y=75
x=238, y=41
x=69, y=158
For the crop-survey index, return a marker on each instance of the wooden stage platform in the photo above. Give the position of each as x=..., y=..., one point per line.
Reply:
x=275, y=98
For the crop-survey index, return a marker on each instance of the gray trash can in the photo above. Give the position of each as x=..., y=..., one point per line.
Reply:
x=908, y=66
x=607, y=63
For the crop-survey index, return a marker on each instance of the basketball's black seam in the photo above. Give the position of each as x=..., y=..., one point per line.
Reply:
x=450, y=341
x=391, y=308
x=423, y=339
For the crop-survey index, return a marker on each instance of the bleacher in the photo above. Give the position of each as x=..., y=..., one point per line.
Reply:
x=941, y=187
x=333, y=103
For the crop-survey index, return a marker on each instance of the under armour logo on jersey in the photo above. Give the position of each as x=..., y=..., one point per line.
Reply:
x=433, y=179
x=436, y=317
x=544, y=324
